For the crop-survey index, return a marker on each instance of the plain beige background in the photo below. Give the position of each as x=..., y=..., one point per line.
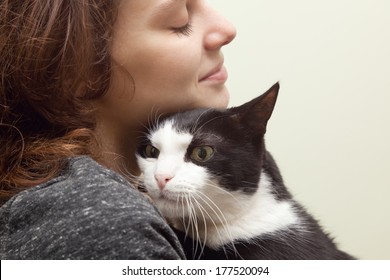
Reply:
x=330, y=131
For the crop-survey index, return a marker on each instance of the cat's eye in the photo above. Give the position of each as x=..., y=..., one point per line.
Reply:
x=151, y=151
x=202, y=153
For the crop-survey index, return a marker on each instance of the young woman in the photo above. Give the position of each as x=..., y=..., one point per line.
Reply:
x=79, y=79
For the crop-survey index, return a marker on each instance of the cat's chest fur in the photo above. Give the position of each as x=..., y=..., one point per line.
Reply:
x=210, y=175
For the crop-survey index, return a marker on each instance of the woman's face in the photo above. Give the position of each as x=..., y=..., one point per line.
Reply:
x=166, y=57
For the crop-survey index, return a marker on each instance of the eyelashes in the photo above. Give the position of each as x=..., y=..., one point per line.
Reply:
x=184, y=30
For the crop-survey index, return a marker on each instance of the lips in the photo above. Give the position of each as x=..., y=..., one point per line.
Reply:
x=218, y=74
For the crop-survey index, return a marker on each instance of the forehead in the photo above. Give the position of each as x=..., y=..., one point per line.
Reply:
x=182, y=130
x=168, y=139
x=205, y=121
x=195, y=127
x=166, y=5
x=147, y=7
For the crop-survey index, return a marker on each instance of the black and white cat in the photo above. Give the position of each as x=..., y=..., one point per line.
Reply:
x=210, y=175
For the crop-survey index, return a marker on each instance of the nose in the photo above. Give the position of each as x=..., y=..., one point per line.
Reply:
x=221, y=31
x=162, y=180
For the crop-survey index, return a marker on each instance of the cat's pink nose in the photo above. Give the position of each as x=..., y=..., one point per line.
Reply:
x=162, y=180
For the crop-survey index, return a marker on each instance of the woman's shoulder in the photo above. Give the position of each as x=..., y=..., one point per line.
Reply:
x=83, y=183
x=88, y=212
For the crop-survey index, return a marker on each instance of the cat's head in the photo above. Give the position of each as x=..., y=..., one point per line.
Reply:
x=205, y=160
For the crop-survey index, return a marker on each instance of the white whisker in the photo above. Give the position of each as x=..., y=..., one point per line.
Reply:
x=194, y=224
x=207, y=122
x=222, y=220
x=201, y=208
x=202, y=243
x=210, y=183
x=196, y=122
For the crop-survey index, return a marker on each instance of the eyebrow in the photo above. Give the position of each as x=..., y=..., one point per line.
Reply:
x=167, y=5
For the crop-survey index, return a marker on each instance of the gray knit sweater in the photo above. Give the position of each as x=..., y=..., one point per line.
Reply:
x=88, y=212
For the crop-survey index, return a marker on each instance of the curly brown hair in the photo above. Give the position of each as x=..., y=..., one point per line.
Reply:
x=54, y=57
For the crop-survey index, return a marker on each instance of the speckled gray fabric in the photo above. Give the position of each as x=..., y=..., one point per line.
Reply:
x=89, y=212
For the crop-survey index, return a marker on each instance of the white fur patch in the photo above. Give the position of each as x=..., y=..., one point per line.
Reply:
x=260, y=214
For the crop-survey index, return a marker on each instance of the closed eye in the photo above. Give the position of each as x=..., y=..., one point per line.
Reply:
x=185, y=30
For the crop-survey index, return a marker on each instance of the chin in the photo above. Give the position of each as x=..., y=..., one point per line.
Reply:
x=216, y=98
x=171, y=210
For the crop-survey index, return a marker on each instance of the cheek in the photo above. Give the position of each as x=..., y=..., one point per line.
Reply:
x=190, y=178
x=160, y=62
x=169, y=84
x=163, y=88
x=147, y=167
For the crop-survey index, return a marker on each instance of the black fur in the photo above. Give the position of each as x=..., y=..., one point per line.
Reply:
x=295, y=243
x=237, y=135
x=211, y=129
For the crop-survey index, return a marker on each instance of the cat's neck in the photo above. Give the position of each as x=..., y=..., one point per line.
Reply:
x=261, y=214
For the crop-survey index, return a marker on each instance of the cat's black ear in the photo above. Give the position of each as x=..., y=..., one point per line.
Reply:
x=256, y=113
